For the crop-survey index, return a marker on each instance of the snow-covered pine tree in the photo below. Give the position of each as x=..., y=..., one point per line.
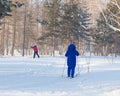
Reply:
x=51, y=21
x=6, y=7
x=64, y=23
x=74, y=22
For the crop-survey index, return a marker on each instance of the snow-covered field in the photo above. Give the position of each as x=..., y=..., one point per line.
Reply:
x=46, y=76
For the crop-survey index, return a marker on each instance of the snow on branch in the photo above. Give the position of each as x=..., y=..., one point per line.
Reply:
x=115, y=21
x=84, y=27
x=111, y=26
x=111, y=13
x=116, y=3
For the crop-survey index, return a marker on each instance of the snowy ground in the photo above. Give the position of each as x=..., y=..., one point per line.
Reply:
x=46, y=76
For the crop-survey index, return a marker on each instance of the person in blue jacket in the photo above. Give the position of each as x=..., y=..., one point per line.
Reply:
x=71, y=54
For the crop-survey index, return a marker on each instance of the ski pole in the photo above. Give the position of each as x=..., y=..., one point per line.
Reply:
x=63, y=70
x=77, y=68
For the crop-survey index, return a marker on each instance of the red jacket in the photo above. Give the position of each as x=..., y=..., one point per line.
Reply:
x=35, y=48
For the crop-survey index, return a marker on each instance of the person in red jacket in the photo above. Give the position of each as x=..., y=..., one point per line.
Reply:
x=35, y=48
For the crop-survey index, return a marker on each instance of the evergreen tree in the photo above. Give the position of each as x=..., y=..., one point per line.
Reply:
x=74, y=22
x=6, y=7
x=52, y=22
x=65, y=22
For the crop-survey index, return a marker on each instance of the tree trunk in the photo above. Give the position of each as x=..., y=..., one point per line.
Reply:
x=14, y=35
x=7, y=41
x=24, y=35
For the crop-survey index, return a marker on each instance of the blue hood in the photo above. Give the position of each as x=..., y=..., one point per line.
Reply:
x=71, y=47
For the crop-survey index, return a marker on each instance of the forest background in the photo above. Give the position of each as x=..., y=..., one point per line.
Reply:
x=53, y=24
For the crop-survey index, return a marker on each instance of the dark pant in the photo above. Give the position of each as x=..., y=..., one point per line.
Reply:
x=36, y=53
x=71, y=71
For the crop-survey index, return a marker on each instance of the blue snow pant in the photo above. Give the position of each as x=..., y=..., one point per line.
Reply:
x=71, y=71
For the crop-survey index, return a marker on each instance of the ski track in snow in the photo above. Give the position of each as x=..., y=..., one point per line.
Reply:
x=46, y=76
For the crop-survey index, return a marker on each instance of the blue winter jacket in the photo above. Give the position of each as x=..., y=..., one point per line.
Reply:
x=71, y=55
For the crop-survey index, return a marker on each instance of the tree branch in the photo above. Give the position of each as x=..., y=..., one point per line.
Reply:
x=111, y=26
